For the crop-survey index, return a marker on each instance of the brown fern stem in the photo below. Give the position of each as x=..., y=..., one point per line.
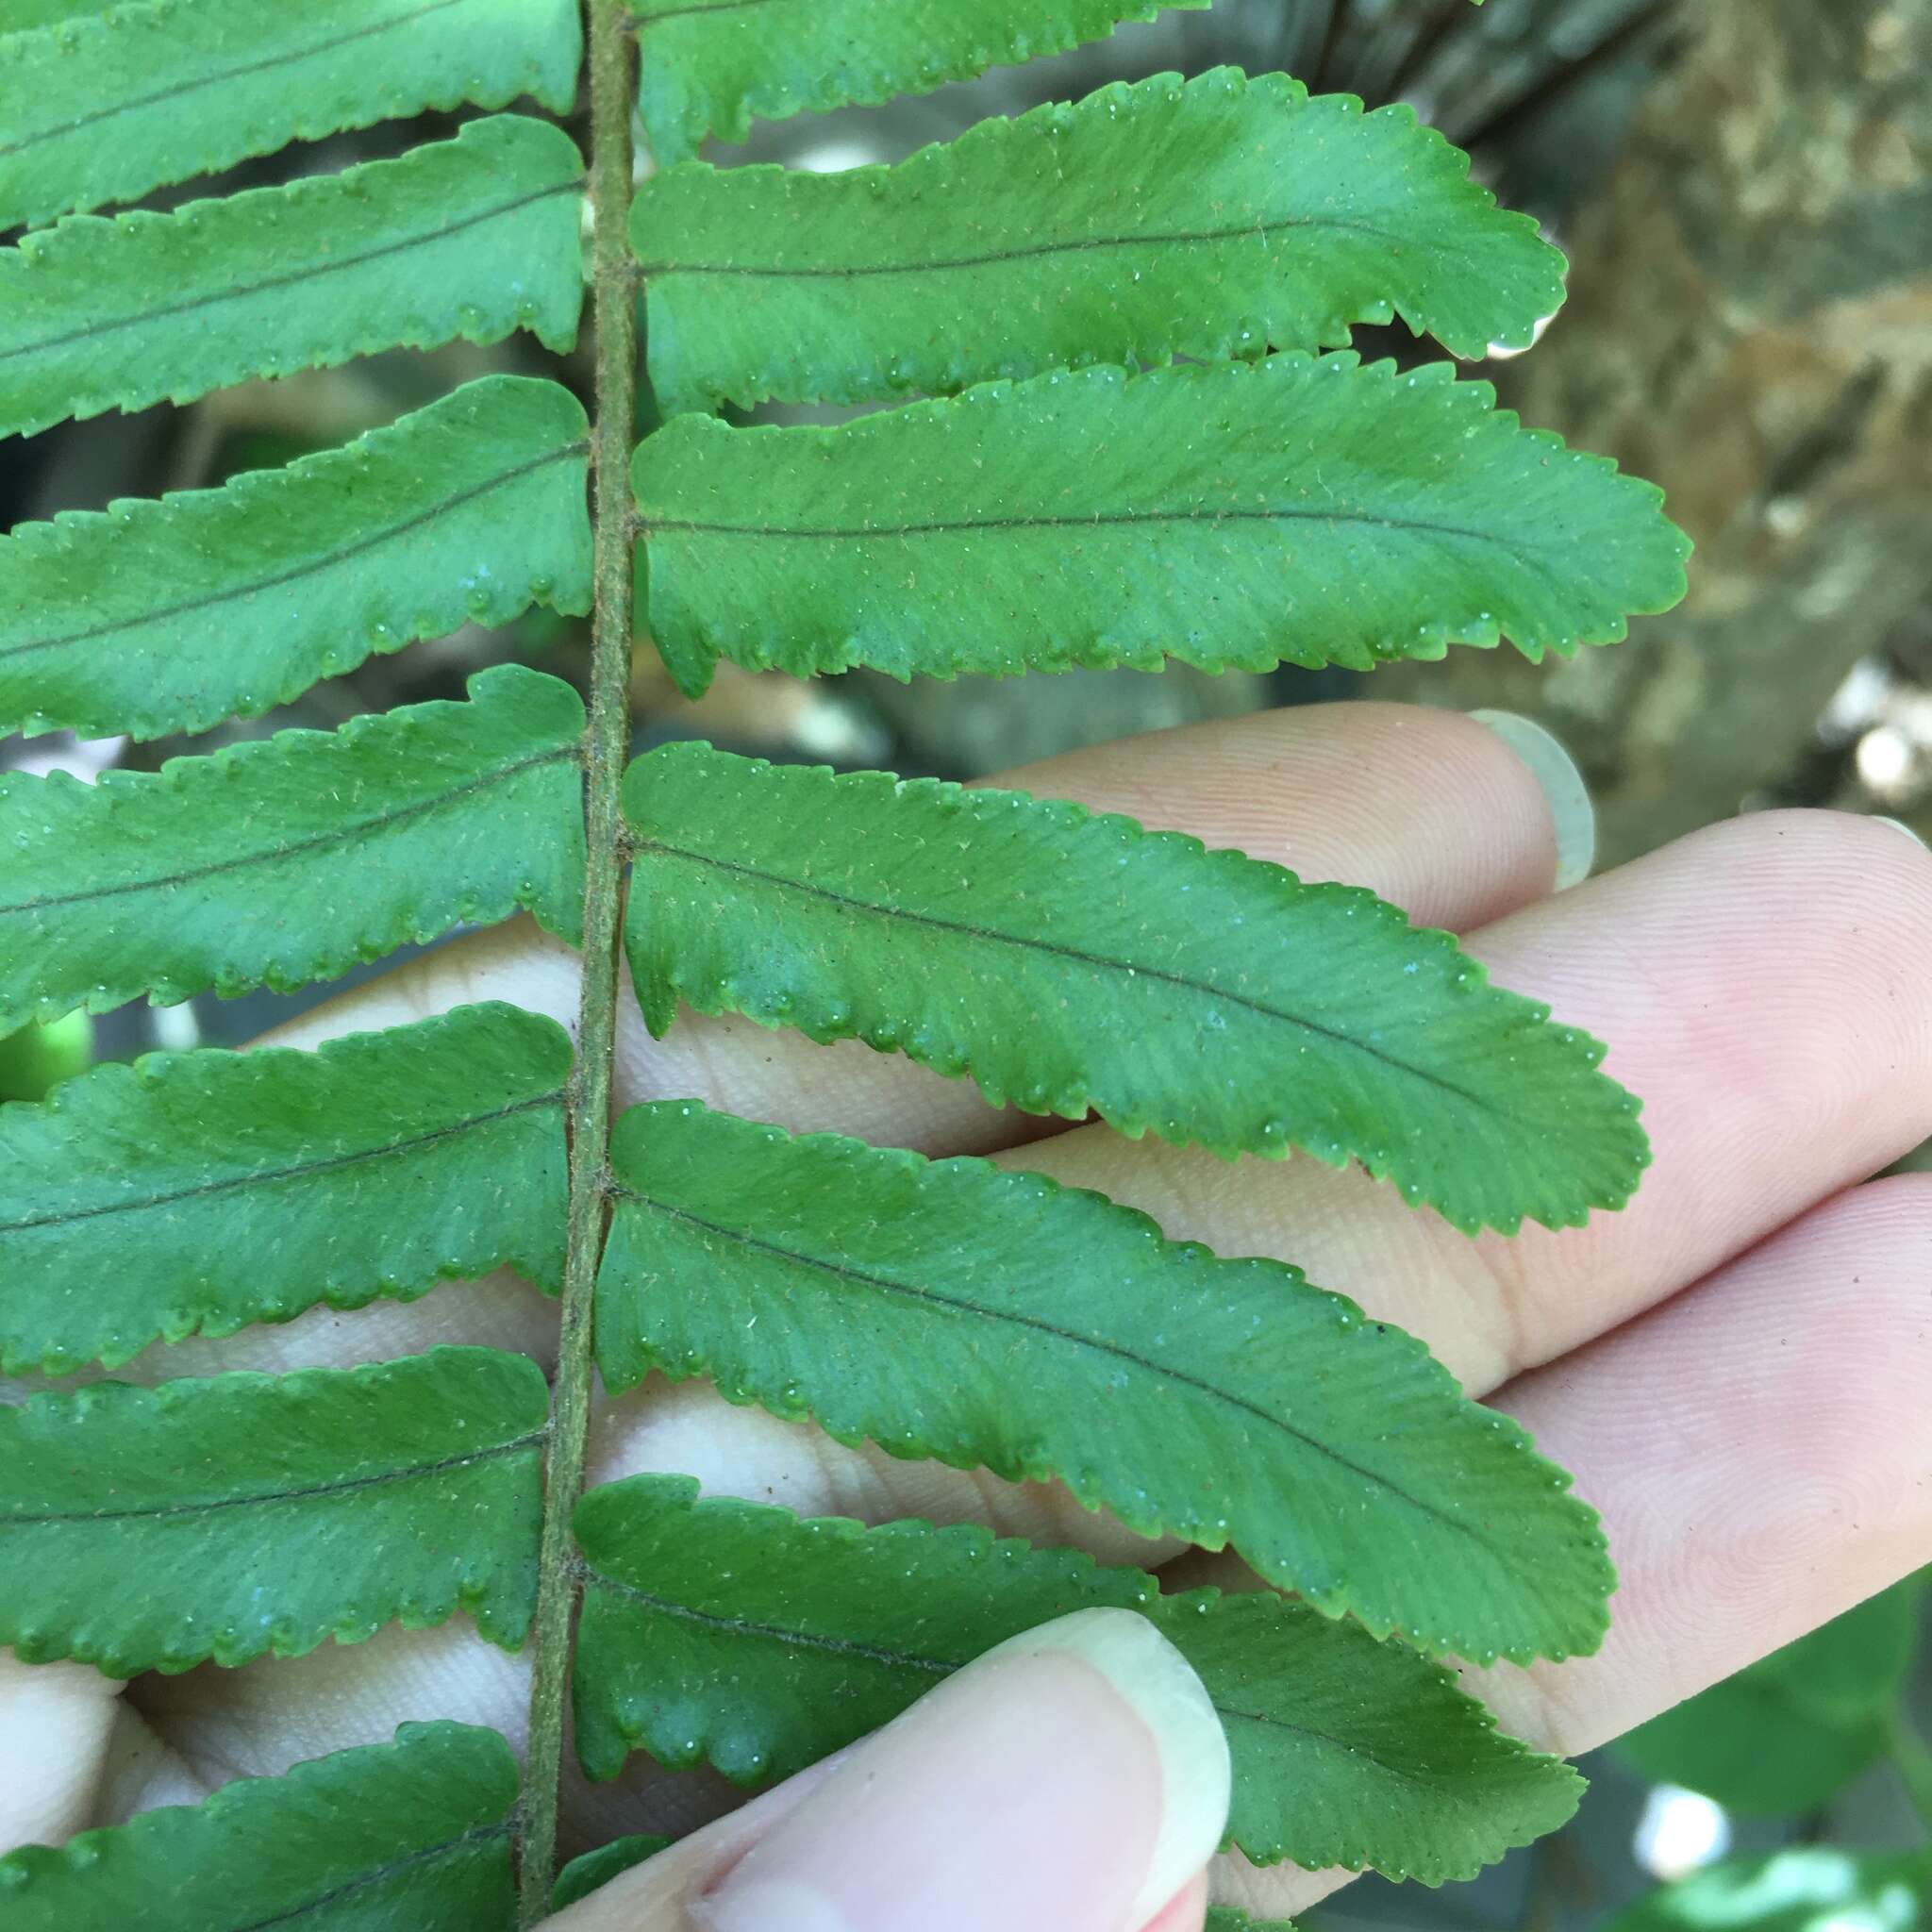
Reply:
x=607, y=743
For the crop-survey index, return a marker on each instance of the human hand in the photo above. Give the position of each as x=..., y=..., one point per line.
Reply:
x=1733, y=1368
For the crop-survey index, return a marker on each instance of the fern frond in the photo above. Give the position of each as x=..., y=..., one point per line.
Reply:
x=1311, y=511
x=1228, y=1918
x=103, y=108
x=169, y=616
x=955, y=1310
x=194, y=1193
x=710, y=66
x=595, y=1870
x=250, y=1515
x=731, y=1633
x=470, y=237
x=414, y=1833
x=290, y=859
x=1067, y=962
x=1222, y=217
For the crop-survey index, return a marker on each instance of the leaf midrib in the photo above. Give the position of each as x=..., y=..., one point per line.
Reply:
x=1162, y=1371
x=311, y=567
x=335, y=265
x=838, y=1646
x=345, y=1486
x=995, y=257
x=1076, y=955
x=298, y=1171
x=200, y=80
x=338, y=835
x=482, y=1833
x=1096, y=520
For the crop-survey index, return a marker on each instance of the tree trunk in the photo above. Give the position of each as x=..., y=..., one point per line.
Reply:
x=1750, y=325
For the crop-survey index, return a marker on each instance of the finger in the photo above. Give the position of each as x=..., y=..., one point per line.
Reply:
x=1760, y=1448
x=55, y=1723
x=1072, y=1780
x=1429, y=809
x=1763, y=988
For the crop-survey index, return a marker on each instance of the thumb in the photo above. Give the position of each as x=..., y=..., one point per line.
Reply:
x=1074, y=1780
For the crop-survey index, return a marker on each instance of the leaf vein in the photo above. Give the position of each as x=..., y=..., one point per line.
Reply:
x=1099, y=520
x=743, y=1626
x=911, y=1291
x=299, y=1170
x=842, y=1647
x=1074, y=954
x=478, y=1835
x=203, y=80
x=335, y=835
x=994, y=257
x=346, y=1486
x=334, y=265
x=327, y=561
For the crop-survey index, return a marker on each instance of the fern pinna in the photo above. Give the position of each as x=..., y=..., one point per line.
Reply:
x=1136, y=434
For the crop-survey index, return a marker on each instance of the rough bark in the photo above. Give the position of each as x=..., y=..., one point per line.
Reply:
x=1750, y=324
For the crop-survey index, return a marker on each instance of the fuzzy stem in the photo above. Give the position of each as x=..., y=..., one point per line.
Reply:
x=607, y=743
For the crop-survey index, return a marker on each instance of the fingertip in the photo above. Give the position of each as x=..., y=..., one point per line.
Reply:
x=1074, y=1780
x=1559, y=778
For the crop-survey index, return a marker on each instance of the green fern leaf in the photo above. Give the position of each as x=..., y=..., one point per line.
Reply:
x=1219, y=218
x=1226, y=1919
x=194, y=1193
x=1307, y=511
x=954, y=1310
x=468, y=238
x=105, y=107
x=415, y=1834
x=595, y=1870
x=290, y=859
x=1069, y=962
x=731, y=1633
x=1806, y=1888
x=709, y=66
x=164, y=617
x=248, y=1515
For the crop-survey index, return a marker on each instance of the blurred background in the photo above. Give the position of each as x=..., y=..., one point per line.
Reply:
x=1746, y=190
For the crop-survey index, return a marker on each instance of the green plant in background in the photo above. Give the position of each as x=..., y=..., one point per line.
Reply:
x=1781, y=1739
x=39, y=1057
x=1065, y=494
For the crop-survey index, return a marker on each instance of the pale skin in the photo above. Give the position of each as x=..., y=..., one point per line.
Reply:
x=1734, y=1368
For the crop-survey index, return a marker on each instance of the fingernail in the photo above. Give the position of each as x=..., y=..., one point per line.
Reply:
x=1072, y=1780
x=1561, y=783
